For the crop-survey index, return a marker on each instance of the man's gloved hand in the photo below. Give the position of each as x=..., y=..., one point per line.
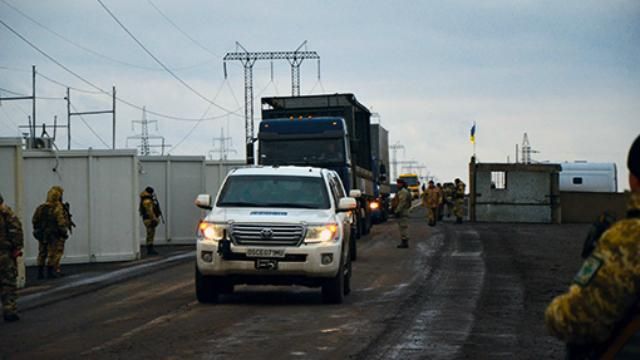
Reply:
x=16, y=253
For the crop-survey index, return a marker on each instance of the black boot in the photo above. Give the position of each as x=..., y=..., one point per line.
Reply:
x=151, y=250
x=51, y=273
x=459, y=220
x=11, y=317
x=40, y=272
x=404, y=243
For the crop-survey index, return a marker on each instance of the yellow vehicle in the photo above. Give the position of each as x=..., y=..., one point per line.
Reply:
x=413, y=184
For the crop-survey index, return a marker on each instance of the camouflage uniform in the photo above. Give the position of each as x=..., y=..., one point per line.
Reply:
x=149, y=218
x=402, y=213
x=440, y=202
x=54, y=222
x=449, y=189
x=11, y=243
x=431, y=199
x=56, y=233
x=605, y=288
x=458, y=207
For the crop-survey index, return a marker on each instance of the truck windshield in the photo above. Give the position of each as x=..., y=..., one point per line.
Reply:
x=274, y=191
x=302, y=152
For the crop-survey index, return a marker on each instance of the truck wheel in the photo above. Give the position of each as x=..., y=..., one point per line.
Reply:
x=206, y=288
x=333, y=289
x=366, y=224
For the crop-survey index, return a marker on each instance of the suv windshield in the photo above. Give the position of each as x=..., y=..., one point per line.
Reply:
x=308, y=151
x=274, y=191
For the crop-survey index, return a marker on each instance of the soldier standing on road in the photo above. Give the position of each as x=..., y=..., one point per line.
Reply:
x=440, y=202
x=401, y=211
x=601, y=306
x=431, y=200
x=11, y=242
x=150, y=212
x=458, y=196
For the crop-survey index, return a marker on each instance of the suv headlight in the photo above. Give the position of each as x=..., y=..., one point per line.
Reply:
x=321, y=233
x=211, y=231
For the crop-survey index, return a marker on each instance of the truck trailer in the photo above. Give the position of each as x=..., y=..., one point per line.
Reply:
x=380, y=166
x=329, y=131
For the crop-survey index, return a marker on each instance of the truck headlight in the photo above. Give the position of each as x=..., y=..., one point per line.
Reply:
x=321, y=233
x=211, y=231
x=374, y=205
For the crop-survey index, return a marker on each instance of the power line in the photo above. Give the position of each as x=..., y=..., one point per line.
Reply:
x=181, y=31
x=93, y=52
x=198, y=122
x=89, y=127
x=160, y=62
x=100, y=90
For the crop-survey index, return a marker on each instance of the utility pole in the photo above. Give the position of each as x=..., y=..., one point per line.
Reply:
x=224, y=148
x=247, y=59
x=32, y=121
x=527, y=150
x=144, y=137
x=394, y=159
x=70, y=114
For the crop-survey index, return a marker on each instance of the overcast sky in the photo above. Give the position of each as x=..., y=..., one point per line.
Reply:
x=564, y=72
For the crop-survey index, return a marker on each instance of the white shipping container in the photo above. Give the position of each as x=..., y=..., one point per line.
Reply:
x=589, y=177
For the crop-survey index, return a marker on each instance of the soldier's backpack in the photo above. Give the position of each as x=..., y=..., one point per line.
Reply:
x=41, y=221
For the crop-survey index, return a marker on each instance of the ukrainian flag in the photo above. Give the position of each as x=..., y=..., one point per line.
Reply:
x=473, y=133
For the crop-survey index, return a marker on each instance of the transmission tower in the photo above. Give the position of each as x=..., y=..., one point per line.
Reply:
x=145, y=146
x=247, y=59
x=527, y=150
x=224, y=147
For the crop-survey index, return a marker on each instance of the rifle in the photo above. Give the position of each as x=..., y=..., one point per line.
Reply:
x=602, y=224
x=156, y=207
x=67, y=213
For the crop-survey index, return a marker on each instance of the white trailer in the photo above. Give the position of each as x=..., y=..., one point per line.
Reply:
x=589, y=177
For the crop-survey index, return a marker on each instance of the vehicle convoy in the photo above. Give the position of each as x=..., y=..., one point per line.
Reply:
x=588, y=177
x=279, y=226
x=413, y=184
x=328, y=131
x=381, y=190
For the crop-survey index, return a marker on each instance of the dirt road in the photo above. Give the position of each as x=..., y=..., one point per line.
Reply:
x=460, y=291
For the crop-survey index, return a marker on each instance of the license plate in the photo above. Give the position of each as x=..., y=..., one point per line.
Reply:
x=265, y=253
x=266, y=264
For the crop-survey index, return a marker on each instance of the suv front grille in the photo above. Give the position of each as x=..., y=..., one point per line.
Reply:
x=266, y=234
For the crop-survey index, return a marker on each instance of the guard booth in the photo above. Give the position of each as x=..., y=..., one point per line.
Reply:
x=527, y=193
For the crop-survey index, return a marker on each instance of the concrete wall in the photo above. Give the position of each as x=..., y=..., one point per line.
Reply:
x=101, y=187
x=527, y=196
x=585, y=207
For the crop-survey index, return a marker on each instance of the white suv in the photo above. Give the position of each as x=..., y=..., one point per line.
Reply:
x=279, y=226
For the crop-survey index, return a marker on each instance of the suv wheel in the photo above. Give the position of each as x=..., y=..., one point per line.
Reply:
x=347, y=276
x=353, y=248
x=206, y=288
x=333, y=289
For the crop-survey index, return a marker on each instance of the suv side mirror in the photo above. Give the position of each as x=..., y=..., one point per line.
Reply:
x=355, y=193
x=346, y=204
x=203, y=201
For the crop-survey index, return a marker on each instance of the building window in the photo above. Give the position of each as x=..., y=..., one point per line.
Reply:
x=577, y=181
x=498, y=180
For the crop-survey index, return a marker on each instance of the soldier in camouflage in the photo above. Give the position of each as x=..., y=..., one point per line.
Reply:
x=431, y=199
x=441, y=202
x=605, y=292
x=150, y=215
x=401, y=211
x=50, y=225
x=11, y=243
x=458, y=198
x=55, y=233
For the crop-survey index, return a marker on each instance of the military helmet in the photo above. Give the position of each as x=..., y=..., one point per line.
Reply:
x=633, y=160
